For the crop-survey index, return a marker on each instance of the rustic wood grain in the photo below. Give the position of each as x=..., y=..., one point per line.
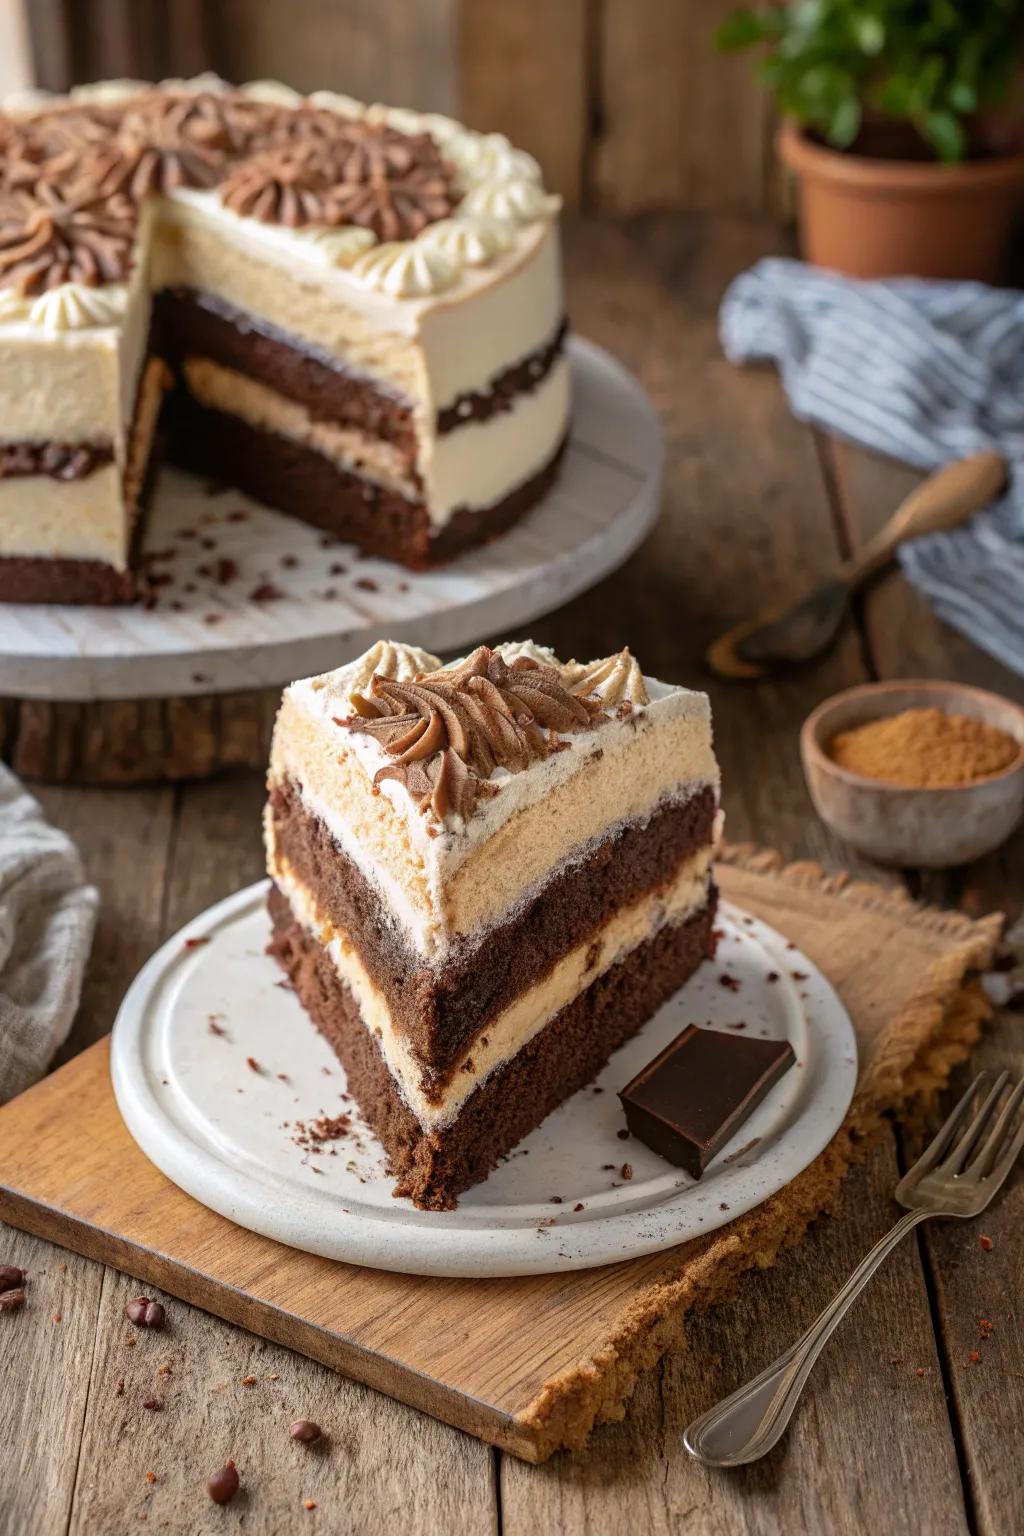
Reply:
x=524, y=70
x=637, y=1476
x=967, y=1282
x=224, y=1394
x=399, y=51
x=137, y=741
x=679, y=126
x=45, y=1368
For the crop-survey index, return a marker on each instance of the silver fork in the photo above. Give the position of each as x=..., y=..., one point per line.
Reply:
x=954, y=1176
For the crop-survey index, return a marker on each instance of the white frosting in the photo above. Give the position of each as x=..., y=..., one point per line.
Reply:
x=275, y=92
x=335, y=101
x=105, y=93
x=486, y=157
x=405, y=269
x=481, y=462
x=14, y=305
x=469, y=242
x=518, y=201
x=76, y=307
x=615, y=679
x=389, y=658
x=195, y=85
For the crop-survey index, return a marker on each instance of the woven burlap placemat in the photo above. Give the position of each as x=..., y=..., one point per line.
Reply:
x=905, y=974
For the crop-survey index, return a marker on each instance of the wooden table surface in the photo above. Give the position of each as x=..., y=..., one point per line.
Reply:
x=903, y=1428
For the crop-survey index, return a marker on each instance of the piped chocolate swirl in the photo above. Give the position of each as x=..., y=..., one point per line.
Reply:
x=448, y=731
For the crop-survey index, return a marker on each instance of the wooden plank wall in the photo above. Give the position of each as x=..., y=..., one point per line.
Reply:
x=624, y=102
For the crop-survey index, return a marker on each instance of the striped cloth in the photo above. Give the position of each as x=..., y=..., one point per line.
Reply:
x=924, y=372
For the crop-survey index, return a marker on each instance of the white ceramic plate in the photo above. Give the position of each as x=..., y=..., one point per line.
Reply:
x=227, y=1133
x=209, y=635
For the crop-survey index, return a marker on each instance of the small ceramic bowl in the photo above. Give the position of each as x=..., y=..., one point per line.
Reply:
x=925, y=828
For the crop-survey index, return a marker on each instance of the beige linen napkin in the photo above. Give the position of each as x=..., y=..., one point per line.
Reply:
x=47, y=916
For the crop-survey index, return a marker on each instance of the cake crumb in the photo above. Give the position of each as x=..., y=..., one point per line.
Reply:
x=627, y=1171
x=985, y=1243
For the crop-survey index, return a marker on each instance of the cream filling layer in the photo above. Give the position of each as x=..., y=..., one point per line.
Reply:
x=474, y=466
x=509, y=1031
x=451, y=887
x=222, y=389
x=88, y=519
x=65, y=519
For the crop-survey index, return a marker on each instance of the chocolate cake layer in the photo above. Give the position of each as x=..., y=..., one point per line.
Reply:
x=189, y=324
x=296, y=479
x=434, y=1167
x=440, y=1011
x=61, y=461
x=38, y=579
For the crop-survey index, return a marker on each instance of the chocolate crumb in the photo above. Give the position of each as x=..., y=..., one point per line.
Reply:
x=214, y=1027
x=11, y=1300
x=11, y=1277
x=305, y=1430
x=985, y=1242
x=119, y=1389
x=223, y=1485
x=772, y=976
x=253, y=1064
x=919, y=1371
x=799, y=975
x=627, y=1171
x=266, y=592
x=731, y=983
x=555, y=1199
x=578, y=1206
x=197, y=942
x=366, y=584
x=623, y=1135
x=153, y=1405
x=248, y=1381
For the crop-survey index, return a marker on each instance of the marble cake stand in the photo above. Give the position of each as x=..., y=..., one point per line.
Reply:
x=247, y=599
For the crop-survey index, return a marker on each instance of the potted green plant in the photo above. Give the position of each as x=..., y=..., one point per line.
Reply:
x=897, y=123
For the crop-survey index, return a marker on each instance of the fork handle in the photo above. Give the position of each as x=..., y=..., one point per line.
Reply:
x=745, y=1425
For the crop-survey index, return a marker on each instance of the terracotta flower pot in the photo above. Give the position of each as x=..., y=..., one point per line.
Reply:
x=889, y=218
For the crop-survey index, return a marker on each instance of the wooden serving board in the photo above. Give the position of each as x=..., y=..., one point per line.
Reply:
x=531, y=1363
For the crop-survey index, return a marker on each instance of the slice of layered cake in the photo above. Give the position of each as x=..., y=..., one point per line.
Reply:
x=486, y=877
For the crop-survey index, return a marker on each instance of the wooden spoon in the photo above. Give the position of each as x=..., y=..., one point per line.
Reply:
x=781, y=637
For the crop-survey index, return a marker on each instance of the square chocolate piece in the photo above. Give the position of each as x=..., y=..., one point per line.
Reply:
x=693, y=1097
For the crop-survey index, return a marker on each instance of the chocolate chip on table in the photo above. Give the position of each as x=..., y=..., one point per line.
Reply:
x=11, y=1300
x=223, y=1485
x=305, y=1430
x=11, y=1277
x=145, y=1313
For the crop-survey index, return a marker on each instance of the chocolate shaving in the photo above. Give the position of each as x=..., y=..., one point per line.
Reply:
x=448, y=731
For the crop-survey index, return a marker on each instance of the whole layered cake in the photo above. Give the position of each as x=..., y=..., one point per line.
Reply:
x=486, y=877
x=352, y=312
